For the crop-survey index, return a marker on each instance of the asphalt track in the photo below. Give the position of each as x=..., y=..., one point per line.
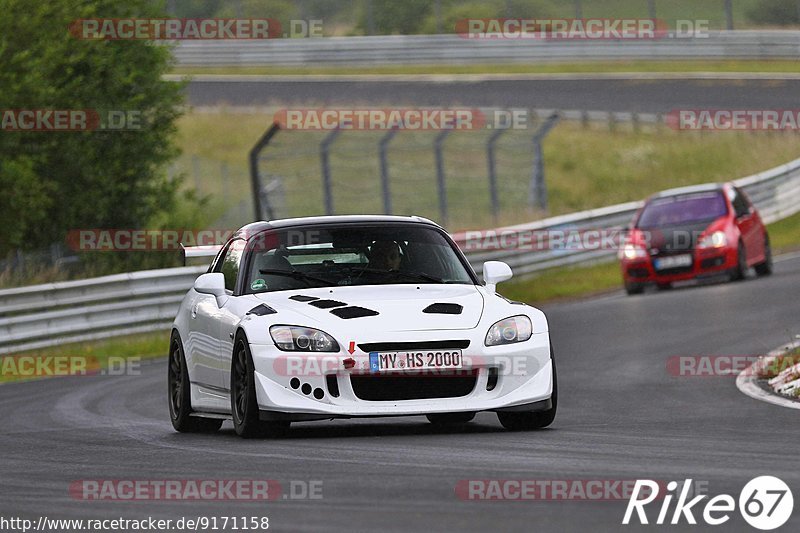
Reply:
x=621, y=416
x=643, y=95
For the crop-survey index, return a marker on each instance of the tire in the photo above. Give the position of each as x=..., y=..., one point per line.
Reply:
x=634, y=288
x=244, y=405
x=536, y=419
x=765, y=267
x=450, y=419
x=739, y=273
x=179, y=393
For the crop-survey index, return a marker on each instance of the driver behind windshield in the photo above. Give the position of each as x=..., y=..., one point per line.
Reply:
x=384, y=255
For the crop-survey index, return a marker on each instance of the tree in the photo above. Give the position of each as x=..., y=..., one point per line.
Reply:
x=56, y=181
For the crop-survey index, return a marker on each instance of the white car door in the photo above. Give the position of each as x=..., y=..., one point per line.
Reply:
x=213, y=343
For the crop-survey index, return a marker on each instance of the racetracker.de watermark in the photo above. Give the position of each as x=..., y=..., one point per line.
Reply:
x=70, y=120
x=143, y=240
x=38, y=366
x=413, y=364
x=786, y=120
x=727, y=365
x=160, y=240
x=410, y=119
x=550, y=489
x=178, y=29
x=588, y=29
x=542, y=239
x=380, y=119
x=194, y=489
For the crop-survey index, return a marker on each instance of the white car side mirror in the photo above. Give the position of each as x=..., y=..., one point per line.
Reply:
x=495, y=272
x=212, y=283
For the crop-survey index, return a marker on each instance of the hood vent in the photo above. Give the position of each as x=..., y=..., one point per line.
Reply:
x=303, y=298
x=261, y=310
x=326, y=304
x=443, y=309
x=353, y=311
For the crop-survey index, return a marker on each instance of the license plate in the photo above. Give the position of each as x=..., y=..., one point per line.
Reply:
x=415, y=360
x=674, y=261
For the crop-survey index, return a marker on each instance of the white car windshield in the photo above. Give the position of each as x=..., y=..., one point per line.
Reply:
x=348, y=254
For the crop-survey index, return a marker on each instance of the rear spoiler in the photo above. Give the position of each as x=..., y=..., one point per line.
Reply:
x=188, y=252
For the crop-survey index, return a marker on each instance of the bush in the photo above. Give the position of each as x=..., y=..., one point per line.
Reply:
x=56, y=181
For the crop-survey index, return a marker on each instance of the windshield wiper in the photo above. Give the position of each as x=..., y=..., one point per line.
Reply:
x=295, y=274
x=405, y=274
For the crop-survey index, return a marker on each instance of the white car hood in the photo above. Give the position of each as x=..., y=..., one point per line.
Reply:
x=399, y=307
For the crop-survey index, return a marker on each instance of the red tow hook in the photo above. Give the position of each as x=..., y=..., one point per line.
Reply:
x=349, y=363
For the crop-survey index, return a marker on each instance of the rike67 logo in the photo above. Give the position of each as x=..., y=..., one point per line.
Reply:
x=765, y=503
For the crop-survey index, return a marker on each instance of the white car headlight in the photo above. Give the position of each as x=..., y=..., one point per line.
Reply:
x=715, y=240
x=300, y=339
x=631, y=251
x=509, y=330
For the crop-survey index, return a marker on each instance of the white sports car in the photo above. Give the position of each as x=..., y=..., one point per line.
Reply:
x=354, y=316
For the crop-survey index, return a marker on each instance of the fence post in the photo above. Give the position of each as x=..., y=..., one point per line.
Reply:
x=651, y=8
x=490, y=160
x=440, y=179
x=537, y=194
x=263, y=210
x=383, y=145
x=729, y=14
x=324, y=153
x=578, y=10
x=370, y=19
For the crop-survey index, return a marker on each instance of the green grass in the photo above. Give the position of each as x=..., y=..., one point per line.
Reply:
x=777, y=66
x=562, y=283
x=784, y=235
x=94, y=355
x=585, y=167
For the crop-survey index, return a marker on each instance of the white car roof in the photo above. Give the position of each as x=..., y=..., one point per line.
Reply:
x=335, y=219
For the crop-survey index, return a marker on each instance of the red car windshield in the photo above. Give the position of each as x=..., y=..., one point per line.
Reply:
x=683, y=209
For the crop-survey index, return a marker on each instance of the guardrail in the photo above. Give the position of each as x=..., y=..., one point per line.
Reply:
x=73, y=311
x=452, y=49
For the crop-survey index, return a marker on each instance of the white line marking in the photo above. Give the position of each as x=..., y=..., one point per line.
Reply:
x=746, y=383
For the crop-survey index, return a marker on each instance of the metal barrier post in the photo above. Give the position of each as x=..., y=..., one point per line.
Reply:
x=263, y=211
x=490, y=159
x=324, y=154
x=441, y=185
x=383, y=145
x=537, y=194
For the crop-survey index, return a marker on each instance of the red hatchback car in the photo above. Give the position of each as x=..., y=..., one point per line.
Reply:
x=693, y=232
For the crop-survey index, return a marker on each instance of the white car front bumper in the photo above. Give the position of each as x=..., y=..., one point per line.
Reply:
x=301, y=386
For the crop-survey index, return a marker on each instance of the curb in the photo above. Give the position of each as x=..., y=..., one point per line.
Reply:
x=748, y=383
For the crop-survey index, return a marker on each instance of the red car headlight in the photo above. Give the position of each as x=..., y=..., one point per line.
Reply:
x=713, y=240
x=632, y=251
